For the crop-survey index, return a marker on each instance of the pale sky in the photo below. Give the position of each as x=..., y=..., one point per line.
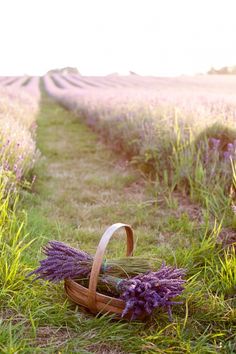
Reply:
x=151, y=37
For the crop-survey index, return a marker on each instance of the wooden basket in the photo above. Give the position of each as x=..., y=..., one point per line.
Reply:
x=89, y=297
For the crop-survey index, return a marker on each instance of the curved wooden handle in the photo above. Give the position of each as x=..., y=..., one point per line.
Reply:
x=98, y=259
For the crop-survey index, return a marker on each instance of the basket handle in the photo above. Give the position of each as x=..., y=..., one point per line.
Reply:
x=98, y=259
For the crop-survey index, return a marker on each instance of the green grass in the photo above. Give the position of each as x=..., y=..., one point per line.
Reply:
x=81, y=189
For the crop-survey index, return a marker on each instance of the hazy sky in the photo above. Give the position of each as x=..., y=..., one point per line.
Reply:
x=158, y=37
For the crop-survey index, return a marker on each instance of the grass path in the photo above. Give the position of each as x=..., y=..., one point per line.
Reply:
x=81, y=186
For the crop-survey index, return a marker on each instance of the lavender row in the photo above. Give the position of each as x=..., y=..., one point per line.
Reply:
x=19, y=108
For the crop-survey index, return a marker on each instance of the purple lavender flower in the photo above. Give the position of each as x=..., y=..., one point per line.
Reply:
x=227, y=155
x=145, y=292
x=215, y=143
x=230, y=148
x=63, y=262
x=229, y=152
x=6, y=166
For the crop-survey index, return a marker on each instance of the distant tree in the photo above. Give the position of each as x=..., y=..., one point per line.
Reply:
x=225, y=70
x=212, y=71
x=64, y=71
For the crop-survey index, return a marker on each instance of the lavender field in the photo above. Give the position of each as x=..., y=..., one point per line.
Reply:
x=180, y=129
x=79, y=153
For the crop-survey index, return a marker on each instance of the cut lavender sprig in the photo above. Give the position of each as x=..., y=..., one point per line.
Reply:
x=145, y=292
x=63, y=262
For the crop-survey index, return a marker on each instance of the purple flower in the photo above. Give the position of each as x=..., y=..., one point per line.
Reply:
x=227, y=155
x=145, y=292
x=6, y=166
x=230, y=148
x=215, y=143
x=63, y=262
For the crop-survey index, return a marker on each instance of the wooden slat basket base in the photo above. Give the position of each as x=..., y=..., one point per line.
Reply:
x=89, y=297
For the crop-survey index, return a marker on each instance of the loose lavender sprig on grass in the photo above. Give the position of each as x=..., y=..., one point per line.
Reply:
x=145, y=292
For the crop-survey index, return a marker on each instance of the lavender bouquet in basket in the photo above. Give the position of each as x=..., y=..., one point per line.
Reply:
x=131, y=280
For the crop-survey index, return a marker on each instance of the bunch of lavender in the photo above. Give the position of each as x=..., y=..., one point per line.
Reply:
x=63, y=262
x=145, y=292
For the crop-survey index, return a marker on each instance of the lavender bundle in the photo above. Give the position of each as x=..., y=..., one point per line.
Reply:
x=145, y=292
x=142, y=293
x=64, y=262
